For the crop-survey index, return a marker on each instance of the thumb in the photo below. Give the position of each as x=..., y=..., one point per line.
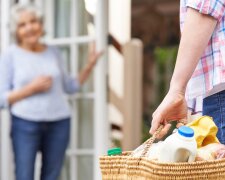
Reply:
x=164, y=131
x=156, y=120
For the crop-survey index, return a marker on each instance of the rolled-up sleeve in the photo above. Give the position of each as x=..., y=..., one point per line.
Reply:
x=6, y=74
x=214, y=8
x=70, y=84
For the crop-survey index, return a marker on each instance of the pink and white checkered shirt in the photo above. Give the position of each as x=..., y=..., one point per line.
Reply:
x=210, y=71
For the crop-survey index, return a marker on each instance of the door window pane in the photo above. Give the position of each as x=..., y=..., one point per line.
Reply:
x=85, y=124
x=62, y=18
x=65, y=173
x=83, y=60
x=85, y=168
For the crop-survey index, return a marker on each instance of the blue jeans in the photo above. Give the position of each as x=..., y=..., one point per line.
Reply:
x=214, y=106
x=50, y=138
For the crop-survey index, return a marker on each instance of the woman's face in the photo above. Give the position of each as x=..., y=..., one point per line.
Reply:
x=29, y=29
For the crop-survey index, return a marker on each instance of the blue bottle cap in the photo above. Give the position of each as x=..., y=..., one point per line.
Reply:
x=186, y=131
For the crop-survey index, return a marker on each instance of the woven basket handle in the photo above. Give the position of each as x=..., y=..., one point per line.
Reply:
x=151, y=140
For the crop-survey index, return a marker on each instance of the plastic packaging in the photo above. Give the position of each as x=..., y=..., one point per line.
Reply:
x=220, y=154
x=211, y=152
x=152, y=153
x=114, y=151
x=179, y=147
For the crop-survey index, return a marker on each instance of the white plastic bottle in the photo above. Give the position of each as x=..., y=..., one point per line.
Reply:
x=179, y=147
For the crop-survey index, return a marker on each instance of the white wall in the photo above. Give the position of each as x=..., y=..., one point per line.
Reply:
x=120, y=28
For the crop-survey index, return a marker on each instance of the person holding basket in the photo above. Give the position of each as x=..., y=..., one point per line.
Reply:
x=198, y=81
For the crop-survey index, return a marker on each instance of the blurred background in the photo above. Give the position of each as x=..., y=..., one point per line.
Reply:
x=114, y=108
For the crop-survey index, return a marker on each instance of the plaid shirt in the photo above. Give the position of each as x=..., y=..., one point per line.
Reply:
x=210, y=71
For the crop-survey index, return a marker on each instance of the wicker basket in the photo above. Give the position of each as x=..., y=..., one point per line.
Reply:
x=126, y=167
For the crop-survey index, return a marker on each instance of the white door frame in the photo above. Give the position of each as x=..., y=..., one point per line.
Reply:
x=101, y=122
x=4, y=120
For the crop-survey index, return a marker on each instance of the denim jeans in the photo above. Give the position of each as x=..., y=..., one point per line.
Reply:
x=214, y=106
x=50, y=138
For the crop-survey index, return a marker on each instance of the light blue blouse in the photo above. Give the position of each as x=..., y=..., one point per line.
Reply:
x=18, y=67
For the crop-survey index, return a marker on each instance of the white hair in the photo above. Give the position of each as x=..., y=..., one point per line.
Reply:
x=15, y=15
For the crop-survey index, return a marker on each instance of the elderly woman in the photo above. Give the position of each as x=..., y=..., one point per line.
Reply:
x=33, y=85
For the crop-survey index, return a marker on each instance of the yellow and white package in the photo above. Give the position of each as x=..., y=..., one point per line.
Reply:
x=205, y=131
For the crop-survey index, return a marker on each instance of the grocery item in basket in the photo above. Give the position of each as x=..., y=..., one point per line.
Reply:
x=205, y=131
x=114, y=151
x=220, y=154
x=127, y=167
x=211, y=152
x=152, y=153
x=179, y=147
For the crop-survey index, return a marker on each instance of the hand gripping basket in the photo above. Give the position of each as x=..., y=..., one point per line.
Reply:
x=126, y=167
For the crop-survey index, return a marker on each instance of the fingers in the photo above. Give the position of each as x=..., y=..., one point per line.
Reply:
x=157, y=119
x=92, y=47
x=164, y=131
x=43, y=78
x=179, y=125
x=96, y=56
x=48, y=78
x=93, y=51
x=99, y=54
x=181, y=122
x=47, y=83
x=44, y=83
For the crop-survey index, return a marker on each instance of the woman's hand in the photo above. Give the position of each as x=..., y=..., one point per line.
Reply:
x=93, y=55
x=172, y=108
x=40, y=84
x=92, y=60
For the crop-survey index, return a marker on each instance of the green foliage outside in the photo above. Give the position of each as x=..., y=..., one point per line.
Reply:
x=164, y=61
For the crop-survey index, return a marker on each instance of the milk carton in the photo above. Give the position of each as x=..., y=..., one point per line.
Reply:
x=179, y=147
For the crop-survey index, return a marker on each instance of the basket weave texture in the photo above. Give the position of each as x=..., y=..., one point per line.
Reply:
x=126, y=167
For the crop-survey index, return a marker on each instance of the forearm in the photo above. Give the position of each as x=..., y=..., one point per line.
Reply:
x=196, y=34
x=84, y=74
x=17, y=95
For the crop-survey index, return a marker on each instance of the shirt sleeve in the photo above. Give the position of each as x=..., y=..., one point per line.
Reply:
x=214, y=8
x=6, y=76
x=70, y=84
